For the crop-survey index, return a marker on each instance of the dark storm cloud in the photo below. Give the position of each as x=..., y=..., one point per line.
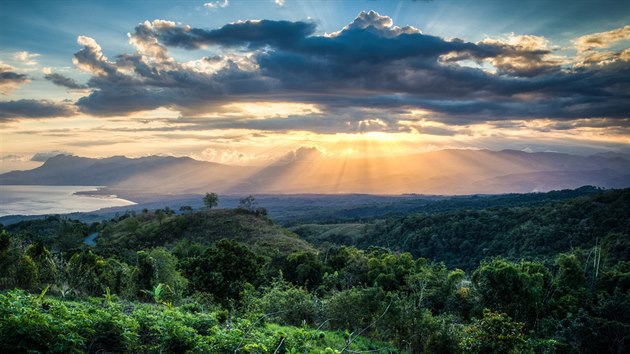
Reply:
x=160, y=82
x=107, y=101
x=64, y=81
x=9, y=76
x=10, y=110
x=253, y=34
x=369, y=63
x=591, y=123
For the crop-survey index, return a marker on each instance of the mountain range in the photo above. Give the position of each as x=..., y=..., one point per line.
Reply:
x=308, y=170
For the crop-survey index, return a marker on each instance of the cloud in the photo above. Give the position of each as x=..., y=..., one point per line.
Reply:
x=12, y=158
x=63, y=81
x=318, y=123
x=27, y=108
x=382, y=25
x=217, y=4
x=251, y=33
x=146, y=43
x=590, y=123
x=524, y=56
x=592, y=48
x=370, y=63
x=150, y=78
x=91, y=59
x=26, y=58
x=44, y=156
x=303, y=153
x=10, y=80
x=93, y=142
x=602, y=39
x=279, y=2
x=602, y=58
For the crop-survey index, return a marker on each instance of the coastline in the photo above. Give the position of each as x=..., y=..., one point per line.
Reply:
x=48, y=199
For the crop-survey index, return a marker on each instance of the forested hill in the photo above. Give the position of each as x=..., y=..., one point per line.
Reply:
x=127, y=233
x=459, y=231
x=291, y=210
x=462, y=238
x=165, y=228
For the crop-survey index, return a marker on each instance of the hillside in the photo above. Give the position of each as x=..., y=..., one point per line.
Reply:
x=463, y=237
x=55, y=232
x=150, y=230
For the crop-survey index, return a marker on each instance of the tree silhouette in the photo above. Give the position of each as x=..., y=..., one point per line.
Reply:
x=210, y=200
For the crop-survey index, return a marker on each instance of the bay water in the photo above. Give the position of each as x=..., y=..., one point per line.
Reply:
x=38, y=200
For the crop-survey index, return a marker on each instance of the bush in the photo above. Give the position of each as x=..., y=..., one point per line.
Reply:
x=494, y=333
x=290, y=305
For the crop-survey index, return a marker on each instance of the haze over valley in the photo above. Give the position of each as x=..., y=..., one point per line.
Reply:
x=308, y=170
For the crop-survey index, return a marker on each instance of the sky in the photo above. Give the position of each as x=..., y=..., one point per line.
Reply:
x=245, y=82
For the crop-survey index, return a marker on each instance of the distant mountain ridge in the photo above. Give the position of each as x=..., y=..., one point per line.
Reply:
x=307, y=170
x=123, y=172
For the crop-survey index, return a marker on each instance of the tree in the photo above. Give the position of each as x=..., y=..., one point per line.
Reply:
x=570, y=277
x=5, y=241
x=166, y=272
x=494, y=333
x=223, y=270
x=44, y=261
x=83, y=272
x=147, y=273
x=248, y=203
x=289, y=304
x=159, y=214
x=8, y=260
x=27, y=273
x=518, y=289
x=210, y=200
x=185, y=209
x=304, y=269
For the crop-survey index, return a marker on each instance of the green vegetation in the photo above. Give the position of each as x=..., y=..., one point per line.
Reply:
x=552, y=277
x=462, y=238
x=55, y=232
x=353, y=208
x=95, y=325
x=147, y=230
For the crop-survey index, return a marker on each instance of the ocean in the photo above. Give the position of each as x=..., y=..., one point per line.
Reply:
x=38, y=200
